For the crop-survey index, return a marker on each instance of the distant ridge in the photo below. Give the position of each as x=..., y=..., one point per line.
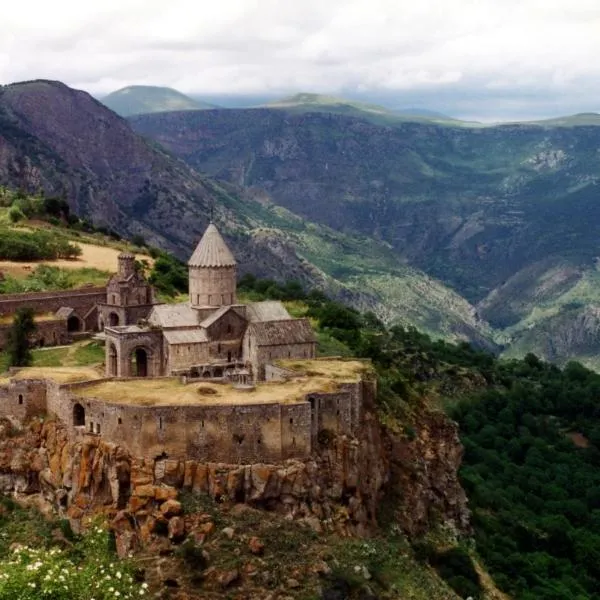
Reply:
x=579, y=119
x=144, y=99
x=305, y=101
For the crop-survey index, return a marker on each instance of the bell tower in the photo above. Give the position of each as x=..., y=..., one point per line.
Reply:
x=212, y=272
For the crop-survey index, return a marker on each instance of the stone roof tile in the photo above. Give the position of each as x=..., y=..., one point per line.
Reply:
x=278, y=333
x=269, y=310
x=173, y=315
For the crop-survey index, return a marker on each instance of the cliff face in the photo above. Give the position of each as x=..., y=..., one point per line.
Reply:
x=340, y=489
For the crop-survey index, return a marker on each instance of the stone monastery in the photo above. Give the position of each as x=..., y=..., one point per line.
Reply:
x=209, y=336
x=210, y=379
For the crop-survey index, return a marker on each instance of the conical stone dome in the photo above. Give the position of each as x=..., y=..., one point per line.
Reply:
x=212, y=272
x=212, y=251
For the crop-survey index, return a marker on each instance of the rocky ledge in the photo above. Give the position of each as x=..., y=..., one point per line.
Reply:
x=343, y=488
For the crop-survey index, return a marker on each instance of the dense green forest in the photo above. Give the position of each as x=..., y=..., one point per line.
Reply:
x=531, y=433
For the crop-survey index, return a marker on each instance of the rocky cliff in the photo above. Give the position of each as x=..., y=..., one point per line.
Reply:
x=339, y=489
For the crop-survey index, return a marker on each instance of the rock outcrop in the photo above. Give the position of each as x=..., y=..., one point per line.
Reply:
x=340, y=489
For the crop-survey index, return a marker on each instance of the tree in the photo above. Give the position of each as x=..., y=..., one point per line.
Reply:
x=18, y=348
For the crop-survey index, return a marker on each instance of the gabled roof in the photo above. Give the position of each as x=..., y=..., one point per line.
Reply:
x=185, y=336
x=279, y=333
x=212, y=251
x=64, y=312
x=173, y=315
x=217, y=315
x=270, y=310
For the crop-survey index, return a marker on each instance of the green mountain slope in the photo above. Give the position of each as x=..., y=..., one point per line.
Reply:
x=472, y=207
x=67, y=144
x=140, y=99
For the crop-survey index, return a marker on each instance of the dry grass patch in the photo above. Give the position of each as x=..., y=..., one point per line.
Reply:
x=103, y=258
x=58, y=374
x=170, y=391
x=338, y=369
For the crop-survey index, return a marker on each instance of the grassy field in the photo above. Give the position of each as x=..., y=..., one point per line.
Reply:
x=80, y=354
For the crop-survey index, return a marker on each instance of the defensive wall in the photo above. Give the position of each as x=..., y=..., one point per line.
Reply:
x=82, y=300
x=233, y=433
x=49, y=332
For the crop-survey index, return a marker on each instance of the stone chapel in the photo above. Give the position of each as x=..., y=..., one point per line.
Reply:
x=211, y=336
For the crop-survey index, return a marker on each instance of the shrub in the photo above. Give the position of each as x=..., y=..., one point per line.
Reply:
x=17, y=347
x=15, y=214
x=192, y=555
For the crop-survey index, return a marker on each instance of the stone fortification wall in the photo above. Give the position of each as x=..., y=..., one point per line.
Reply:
x=338, y=412
x=23, y=399
x=44, y=302
x=239, y=434
x=229, y=433
x=48, y=333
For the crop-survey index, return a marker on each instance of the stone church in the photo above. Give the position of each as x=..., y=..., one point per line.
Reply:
x=210, y=336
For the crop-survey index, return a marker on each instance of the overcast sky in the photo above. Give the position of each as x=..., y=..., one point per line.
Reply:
x=486, y=59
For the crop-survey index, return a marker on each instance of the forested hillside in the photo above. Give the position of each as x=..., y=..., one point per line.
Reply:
x=507, y=216
x=531, y=433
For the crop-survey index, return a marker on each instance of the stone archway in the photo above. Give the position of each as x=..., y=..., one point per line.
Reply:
x=113, y=319
x=139, y=362
x=78, y=415
x=73, y=323
x=112, y=361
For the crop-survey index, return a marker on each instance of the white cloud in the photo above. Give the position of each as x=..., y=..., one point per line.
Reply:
x=280, y=46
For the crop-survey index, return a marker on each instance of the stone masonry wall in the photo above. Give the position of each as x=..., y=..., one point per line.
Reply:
x=212, y=286
x=23, y=399
x=48, y=333
x=238, y=434
x=265, y=354
x=181, y=356
x=45, y=302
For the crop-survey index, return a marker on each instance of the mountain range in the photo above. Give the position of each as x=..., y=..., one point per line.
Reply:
x=485, y=233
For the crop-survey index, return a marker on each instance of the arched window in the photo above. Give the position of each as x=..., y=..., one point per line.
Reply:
x=20, y=398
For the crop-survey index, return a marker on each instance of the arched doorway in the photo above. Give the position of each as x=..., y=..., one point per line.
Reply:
x=78, y=415
x=73, y=323
x=113, y=319
x=139, y=363
x=112, y=361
